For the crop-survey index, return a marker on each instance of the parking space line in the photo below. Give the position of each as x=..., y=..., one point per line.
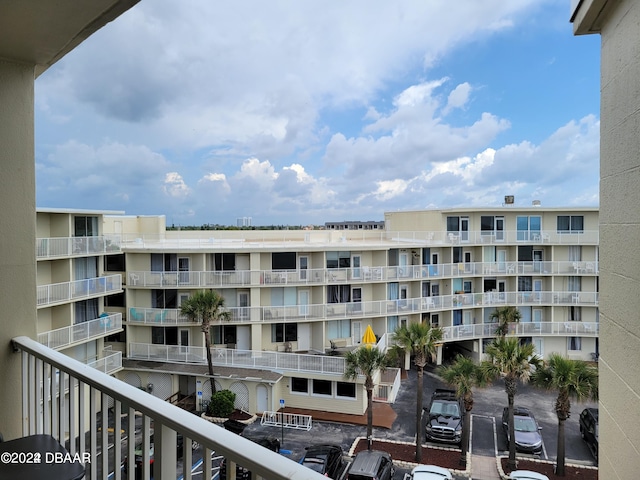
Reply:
x=495, y=435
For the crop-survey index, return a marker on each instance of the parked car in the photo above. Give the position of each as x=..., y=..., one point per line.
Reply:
x=428, y=472
x=527, y=475
x=242, y=473
x=371, y=465
x=138, y=454
x=527, y=431
x=589, y=429
x=325, y=459
x=445, y=417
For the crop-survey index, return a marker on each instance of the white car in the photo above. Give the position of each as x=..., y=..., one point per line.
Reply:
x=527, y=475
x=428, y=472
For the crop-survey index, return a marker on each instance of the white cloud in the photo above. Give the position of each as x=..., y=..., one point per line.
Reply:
x=174, y=186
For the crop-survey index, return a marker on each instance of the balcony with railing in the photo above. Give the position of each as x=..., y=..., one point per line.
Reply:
x=60, y=247
x=364, y=274
x=108, y=364
x=64, y=399
x=63, y=292
x=81, y=332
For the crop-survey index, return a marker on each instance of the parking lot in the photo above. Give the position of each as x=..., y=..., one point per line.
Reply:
x=487, y=436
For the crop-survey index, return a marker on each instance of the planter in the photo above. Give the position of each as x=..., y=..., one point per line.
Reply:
x=221, y=420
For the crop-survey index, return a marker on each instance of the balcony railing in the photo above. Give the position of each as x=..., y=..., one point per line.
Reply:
x=57, y=247
x=74, y=416
x=364, y=274
x=172, y=316
x=81, y=332
x=108, y=364
x=522, y=329
x=78, y=289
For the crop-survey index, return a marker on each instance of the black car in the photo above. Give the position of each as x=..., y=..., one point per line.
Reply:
x=445, y=417
x=242, y=473
x=325, y=459
x=371, y=465
x=527, y=431
x=589, y=429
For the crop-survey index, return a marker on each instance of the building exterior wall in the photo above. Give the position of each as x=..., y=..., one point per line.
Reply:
x=453, y=279
x=617, y=22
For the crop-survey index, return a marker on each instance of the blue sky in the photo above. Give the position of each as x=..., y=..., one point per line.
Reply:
x=306, y=112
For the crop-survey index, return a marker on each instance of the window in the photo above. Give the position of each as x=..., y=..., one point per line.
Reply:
x=574, y=343
x=284, y=332
x=528, y=228
x=575, y=313
x=525, y=284
x=164, y=262
x=525, y=253
x=164, y=335
x=224, y=334
x=116, y=300
x=299, y=385
x=283, y=261
x=85, y=268
x=338, y=259
x=574, y=284
x=114, y=263
x=164, y=298
x=457, y=255
x=344, y=389
x=85, y=226
x=225, y=262
x=339, y=328
x=435, y=320
x=86, y=310
x=570, y=224
x=392, y=324
x=486, y=224
x=321, y=387
x=339, y=294
x=453, y=224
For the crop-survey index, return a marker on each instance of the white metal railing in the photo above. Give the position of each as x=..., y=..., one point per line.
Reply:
x=268, y=239
x=81, y=332
x=387, y=388
x=81, y=246
x=172, y=316
x=363, y=274
x=93, y=399
x=229, y=357
x=522, y=329
x=108, y=364
x=78, y=289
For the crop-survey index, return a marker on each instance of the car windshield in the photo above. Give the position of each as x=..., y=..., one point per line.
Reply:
x=524, y=424
x=445, y=409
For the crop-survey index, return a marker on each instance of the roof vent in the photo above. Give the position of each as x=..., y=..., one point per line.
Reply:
x=536, y=203
x=509, y=199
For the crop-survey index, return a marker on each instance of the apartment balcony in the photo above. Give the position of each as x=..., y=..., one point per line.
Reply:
x=229, y=357
x=522, y=329
x=61, y=247
x=498, y=237
x=91, y=399
x=64, y=292
x=81, y=332
x=108, y=364
x=172, y=316
x=364, y=274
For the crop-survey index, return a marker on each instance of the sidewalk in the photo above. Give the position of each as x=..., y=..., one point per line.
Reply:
x=484, y=468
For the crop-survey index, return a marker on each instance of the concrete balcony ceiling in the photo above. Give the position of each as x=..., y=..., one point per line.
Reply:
x=41, y=32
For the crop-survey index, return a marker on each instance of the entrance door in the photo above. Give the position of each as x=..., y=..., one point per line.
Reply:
x=243, y=306
x=499, y=228
x=537, y=290
x=183, y=268
x=464, y=229
x=537, y=260
x=502, y=291
x=355, y=266
x=356, y=299
x=356, y=332
x=184, y=340
x=303, y=303
x=303, y=265
x=502, y=260
x=304, y=337
x=262, y=399
x=403, y=271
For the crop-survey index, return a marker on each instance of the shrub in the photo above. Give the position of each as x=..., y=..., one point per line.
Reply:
x=222, y=403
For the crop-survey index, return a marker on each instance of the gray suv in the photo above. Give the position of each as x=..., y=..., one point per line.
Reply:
x=371, y=465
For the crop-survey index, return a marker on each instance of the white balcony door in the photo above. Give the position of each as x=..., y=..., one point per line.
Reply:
x=403, y=261
x=303, y=265
x=243, y=305
x=183, y=268
x=355, y=266
x=303, y=303
x=184, y=340
x=356, y=332
x=304, y=337
x=464, y=229
x=499, y=228
x=501, y=260
x=537, y=289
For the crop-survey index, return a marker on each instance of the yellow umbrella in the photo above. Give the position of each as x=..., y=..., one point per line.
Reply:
x=369, y=337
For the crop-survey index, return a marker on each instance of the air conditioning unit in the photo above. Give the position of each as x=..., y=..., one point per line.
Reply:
x=509, y=199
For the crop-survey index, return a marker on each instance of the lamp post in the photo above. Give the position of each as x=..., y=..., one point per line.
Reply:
x=282, y=420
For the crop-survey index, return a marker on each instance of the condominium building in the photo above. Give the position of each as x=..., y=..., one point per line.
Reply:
x=297, y=297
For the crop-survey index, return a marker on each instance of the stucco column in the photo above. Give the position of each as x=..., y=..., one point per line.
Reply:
x=17, y=247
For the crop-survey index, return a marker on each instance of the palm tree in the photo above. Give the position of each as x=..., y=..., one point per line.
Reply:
x=514, y=363
x=464, y=374
x=205, y=306
x=504, y=316
x=420, y=339
x=572, y=379
x=365, y=361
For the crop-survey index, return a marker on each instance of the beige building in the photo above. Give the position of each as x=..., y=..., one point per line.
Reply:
x=293, y=295
x=618, y=22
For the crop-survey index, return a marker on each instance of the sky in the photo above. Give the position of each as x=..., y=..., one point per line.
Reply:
x=306, y=112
